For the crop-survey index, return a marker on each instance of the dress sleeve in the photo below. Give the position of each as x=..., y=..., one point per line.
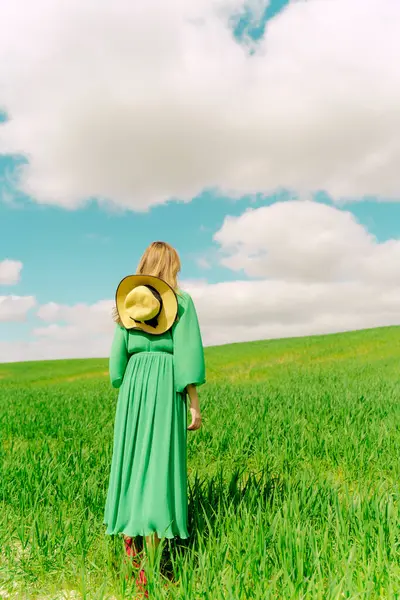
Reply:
x=118, y=357
x=189, y=364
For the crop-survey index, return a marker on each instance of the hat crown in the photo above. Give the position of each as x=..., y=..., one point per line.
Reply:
x=141, y=304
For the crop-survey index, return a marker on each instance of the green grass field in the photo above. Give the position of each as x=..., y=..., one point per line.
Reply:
x=294, y=476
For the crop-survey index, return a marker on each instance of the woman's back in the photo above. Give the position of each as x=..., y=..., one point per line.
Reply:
x=183, y=341
x=139, y=341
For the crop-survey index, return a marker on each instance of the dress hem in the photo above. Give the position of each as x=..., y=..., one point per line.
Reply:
x=159, y=534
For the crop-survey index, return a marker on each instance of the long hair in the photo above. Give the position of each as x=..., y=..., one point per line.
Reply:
x=161, y=260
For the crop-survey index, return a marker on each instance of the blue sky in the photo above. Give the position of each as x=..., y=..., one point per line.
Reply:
x=79, y=255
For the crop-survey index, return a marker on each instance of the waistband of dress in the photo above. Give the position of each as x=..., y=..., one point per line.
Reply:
x=152, y=352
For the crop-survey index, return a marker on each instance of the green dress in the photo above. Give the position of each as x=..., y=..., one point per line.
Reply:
x=147, y=489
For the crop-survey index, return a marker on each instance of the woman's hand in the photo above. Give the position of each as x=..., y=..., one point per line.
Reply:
x=196, y=419
x=194, y=408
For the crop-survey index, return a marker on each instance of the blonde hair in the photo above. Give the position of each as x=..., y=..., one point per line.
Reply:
x=161, y=260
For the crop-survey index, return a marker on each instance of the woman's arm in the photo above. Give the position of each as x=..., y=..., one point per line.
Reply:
x=118, y=357
x=194, y=407
x=189, y=365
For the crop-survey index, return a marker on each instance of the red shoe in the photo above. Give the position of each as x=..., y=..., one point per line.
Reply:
x=141, y=582
x=131, y=551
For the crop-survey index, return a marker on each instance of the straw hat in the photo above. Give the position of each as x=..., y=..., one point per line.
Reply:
x=147, y=303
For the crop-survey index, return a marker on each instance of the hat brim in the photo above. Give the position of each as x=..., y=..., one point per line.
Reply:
x=169, y=309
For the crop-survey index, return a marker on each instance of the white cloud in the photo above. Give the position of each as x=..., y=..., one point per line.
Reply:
x=140, y=102
x=305, y=241
x=49, y=349
x=94, y=317
x=253, y=310
x=15, y=308
x=319, y=270
x=78, y=331
x=203, y=263
x=10, y=271
x=82, y=324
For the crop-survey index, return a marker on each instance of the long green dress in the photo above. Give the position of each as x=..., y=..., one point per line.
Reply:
x=147, y=489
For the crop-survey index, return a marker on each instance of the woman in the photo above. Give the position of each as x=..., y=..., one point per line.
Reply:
x=156, y=361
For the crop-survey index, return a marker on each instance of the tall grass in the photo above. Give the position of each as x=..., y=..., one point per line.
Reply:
x=293, y=478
